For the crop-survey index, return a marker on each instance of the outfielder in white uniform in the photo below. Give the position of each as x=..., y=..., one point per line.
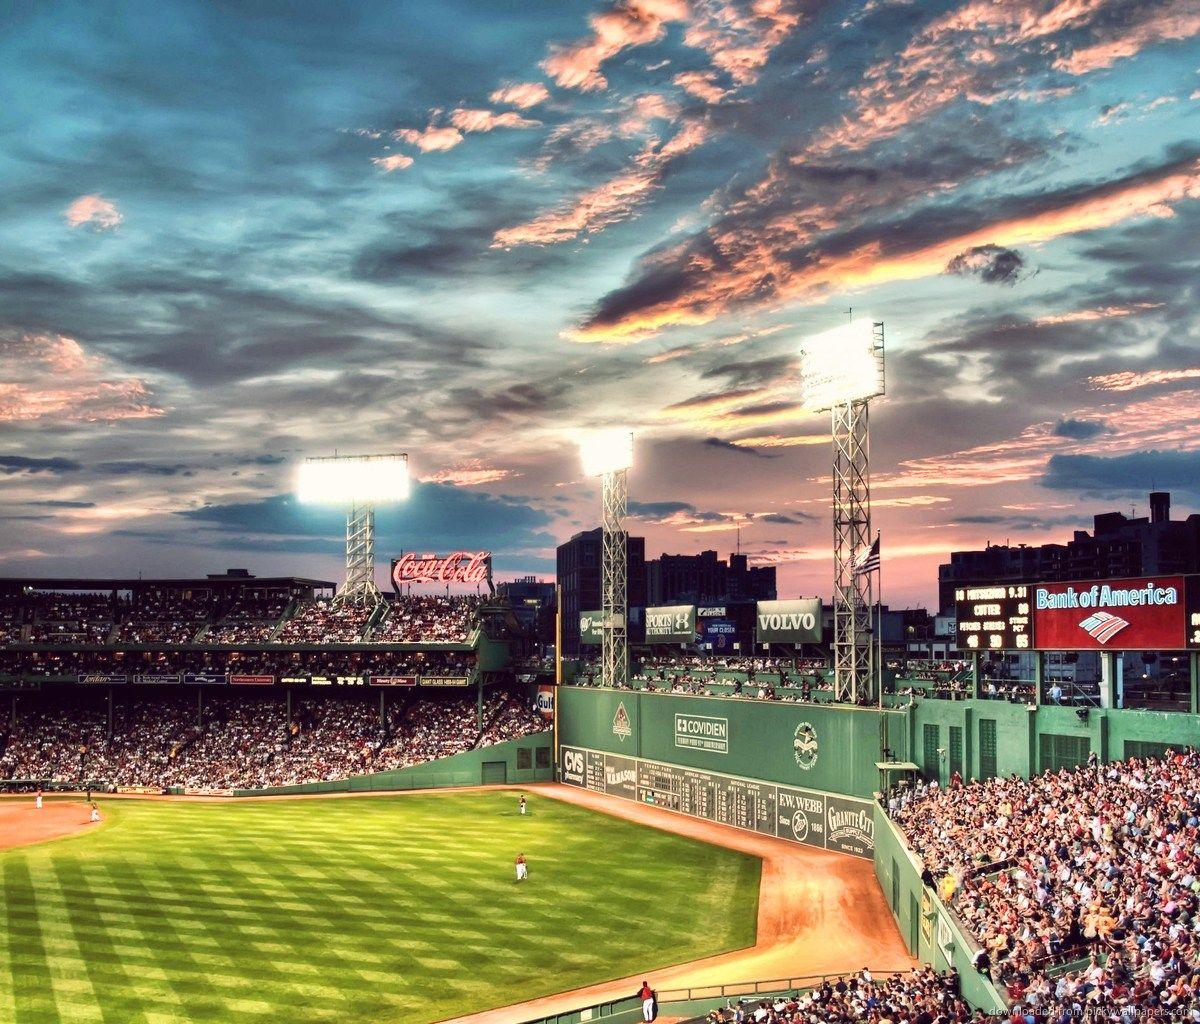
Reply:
x=522, y=804
x=522, y=868
x=38, y=802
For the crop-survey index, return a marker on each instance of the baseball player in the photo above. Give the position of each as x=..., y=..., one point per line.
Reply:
x=522, y=868
x=95, y=811
x=522, y=804
x=38, y=802
x=649, y=1001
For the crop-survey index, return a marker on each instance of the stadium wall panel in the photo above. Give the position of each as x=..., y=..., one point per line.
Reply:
x=465, y=769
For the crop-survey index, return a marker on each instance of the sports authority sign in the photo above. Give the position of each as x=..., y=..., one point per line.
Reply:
x=1110, y=615
x=671, y=624
x=789, y=622
x=458, y=567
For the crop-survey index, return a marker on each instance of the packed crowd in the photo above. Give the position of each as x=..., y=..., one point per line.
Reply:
x=249, y=620
x=246, y=741
x=432, y=619
x=918, y=997
x=1098, y=864
x=323, y=622
x=69, y=663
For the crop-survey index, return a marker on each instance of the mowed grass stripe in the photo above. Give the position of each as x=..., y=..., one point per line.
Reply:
x=380, y=910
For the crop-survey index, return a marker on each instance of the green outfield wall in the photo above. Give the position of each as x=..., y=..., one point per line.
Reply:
x=518, y=761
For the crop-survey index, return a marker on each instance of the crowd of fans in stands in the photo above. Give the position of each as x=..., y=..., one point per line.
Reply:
x=1098, y=864
x=246, y=741
x=429, y=619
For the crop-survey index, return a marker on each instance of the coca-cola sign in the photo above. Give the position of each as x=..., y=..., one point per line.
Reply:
x=458, y=567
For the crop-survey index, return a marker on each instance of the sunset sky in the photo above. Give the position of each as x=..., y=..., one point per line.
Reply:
x=235, y=234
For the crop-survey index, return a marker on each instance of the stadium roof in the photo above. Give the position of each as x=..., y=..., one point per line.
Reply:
x=232, y=578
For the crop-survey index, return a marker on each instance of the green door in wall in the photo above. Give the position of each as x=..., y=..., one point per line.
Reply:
x=987, y=748
x=495, y=772
x=914, y=924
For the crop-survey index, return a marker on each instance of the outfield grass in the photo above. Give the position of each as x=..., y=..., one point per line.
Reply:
x=373, y=909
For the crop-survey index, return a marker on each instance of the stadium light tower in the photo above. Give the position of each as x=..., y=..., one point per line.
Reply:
x=359, y=483
x=841, y=370
x=608, y=454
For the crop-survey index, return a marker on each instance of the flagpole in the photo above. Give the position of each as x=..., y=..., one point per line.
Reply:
x=879, y=616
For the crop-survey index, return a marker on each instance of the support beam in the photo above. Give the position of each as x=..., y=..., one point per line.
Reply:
x=614, y=579
x=360, y=589
x=853, y=598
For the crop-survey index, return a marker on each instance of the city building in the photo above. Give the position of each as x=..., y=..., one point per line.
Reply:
x=578, y=563
x=1119, y=545
x=706, y=579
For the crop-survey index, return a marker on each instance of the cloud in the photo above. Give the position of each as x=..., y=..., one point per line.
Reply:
x=754, y=259
x=740, y=36
x=992, y=264
x=436, y=517
x=433, y=139
x=1079, y=430
x=1134, y=473
x=11, y=465
x=96, y=211
x=731, y=446
x=469, y=473
x=1140, y=26
x=522, y=95
x=610, y=201
x=1130, y=380
x=702, y=85
x=625, y=24
x=53, y=376
x=395, y=162
x=478, y=120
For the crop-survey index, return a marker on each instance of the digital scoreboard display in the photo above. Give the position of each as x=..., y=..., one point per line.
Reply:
x=993, y=618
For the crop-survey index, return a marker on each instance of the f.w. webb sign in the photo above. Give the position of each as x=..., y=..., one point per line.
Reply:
x=789, y=622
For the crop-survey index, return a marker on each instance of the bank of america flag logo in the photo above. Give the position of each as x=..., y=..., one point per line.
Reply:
x=1103, y=626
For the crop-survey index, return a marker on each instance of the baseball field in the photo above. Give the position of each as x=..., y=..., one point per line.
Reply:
x=371, y=909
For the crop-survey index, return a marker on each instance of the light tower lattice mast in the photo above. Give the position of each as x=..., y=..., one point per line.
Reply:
x=853, y=649
x=614, y=577
x=359, y=588
x=841, y=371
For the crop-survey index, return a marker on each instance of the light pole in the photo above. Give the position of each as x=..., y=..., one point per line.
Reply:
x=358, y=483
x=841, y=370
x=608, y=454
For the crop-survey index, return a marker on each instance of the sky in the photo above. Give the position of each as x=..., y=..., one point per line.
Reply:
x=234, y=235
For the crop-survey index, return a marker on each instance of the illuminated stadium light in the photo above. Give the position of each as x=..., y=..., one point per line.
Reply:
x=607, y=450
x=841, y=365
x=355, y=479
x=358, y=483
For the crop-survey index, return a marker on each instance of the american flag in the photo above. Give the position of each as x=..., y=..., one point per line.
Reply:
x=869, y=561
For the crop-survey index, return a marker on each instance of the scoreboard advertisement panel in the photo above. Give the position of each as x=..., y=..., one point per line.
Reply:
x=993, y=618
x=829, y=822
x=1116, y=615
x=671, y=624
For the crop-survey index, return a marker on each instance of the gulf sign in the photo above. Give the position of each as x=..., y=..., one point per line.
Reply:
x=1110, y=615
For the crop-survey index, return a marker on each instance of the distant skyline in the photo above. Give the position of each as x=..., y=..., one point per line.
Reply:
x=234, y=236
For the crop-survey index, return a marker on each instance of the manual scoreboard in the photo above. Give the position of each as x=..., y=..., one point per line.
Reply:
x=993, y=618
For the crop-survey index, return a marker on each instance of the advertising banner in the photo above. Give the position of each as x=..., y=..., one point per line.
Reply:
x=849, y=826
x=620, y=776
x=789, y=622
x=320, y=681
x=801, y=815
x=702, y=732
x=1114, y=615
x=251, y=680
x=392, y=680
x=101, y=678
x=151, y=679
x=1193, y=612
x=671, y=624
x=294, y=680
x=590, y=627
x=205, y=678
x=458, y=567
x=711, y=611
x=719, y=634
x=444, y=680
x=545, y=701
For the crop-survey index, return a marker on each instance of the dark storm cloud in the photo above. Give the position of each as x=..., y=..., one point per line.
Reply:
x=140, y=468
x=1079, y=430
x=729, y=446
x=435, y=517
x=1135, y=473
x=752, y=373
x=61, y=504
x=11, y=465
x=786, y=518
x=992, y=264
x=666, y=509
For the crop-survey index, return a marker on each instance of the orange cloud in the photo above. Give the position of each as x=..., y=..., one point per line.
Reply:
x=702, y=85
x=469, y=473
x=735, y=269
x=94, y=210
x=1076, y=316
x=610, y=201
x=431, y=139
x=50, y=375
x=626, y=24
x=781, y=441
x=395, y=162
x=1150, y=25
x=522, y=95
x=1128, y=380
x=469, y=120
x=739, y=37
